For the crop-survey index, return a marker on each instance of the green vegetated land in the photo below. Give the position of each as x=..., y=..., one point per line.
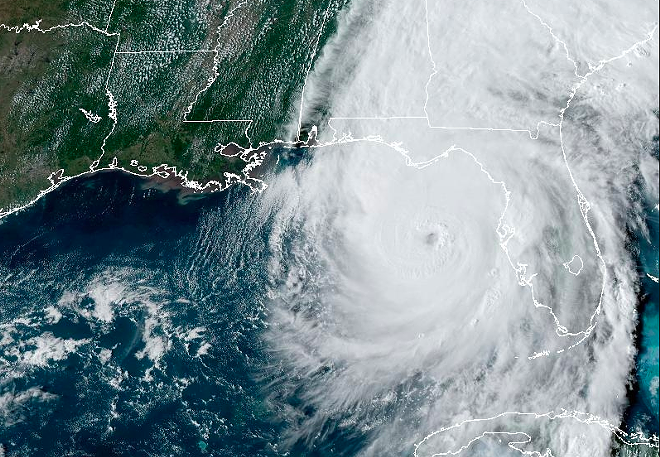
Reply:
x=264, y=49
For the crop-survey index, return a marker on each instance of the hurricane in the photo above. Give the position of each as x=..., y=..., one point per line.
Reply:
x=449, y=267
x=446, y=259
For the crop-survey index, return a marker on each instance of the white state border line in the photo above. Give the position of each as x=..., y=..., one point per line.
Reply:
x=520, y=269
x=56, y=178
x=112, y=10
x=216, y=62
x=584, y=204
x=504, y=231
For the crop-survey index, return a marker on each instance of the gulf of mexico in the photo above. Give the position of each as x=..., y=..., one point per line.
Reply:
x=130, y=326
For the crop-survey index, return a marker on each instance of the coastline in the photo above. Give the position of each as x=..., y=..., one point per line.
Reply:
x=166, y=177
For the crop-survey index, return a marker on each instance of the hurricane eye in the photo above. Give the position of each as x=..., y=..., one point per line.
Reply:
x=431, y=239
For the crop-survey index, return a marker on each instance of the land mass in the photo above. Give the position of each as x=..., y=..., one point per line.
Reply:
x=175, y=89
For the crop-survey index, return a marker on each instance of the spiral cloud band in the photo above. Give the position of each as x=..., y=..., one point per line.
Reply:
x=448, y=269
x=447, y=255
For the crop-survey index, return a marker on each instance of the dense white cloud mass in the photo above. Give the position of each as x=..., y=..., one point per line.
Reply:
x=418, y=275
x=444, y=272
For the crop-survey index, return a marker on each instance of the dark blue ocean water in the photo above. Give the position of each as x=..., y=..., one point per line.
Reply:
x=643, y=412
x=108, y=231
x=176, y=365
x=179, y=367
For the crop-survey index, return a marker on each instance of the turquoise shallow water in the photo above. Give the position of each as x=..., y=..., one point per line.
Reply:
x=643, y=412
x=179, y=368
